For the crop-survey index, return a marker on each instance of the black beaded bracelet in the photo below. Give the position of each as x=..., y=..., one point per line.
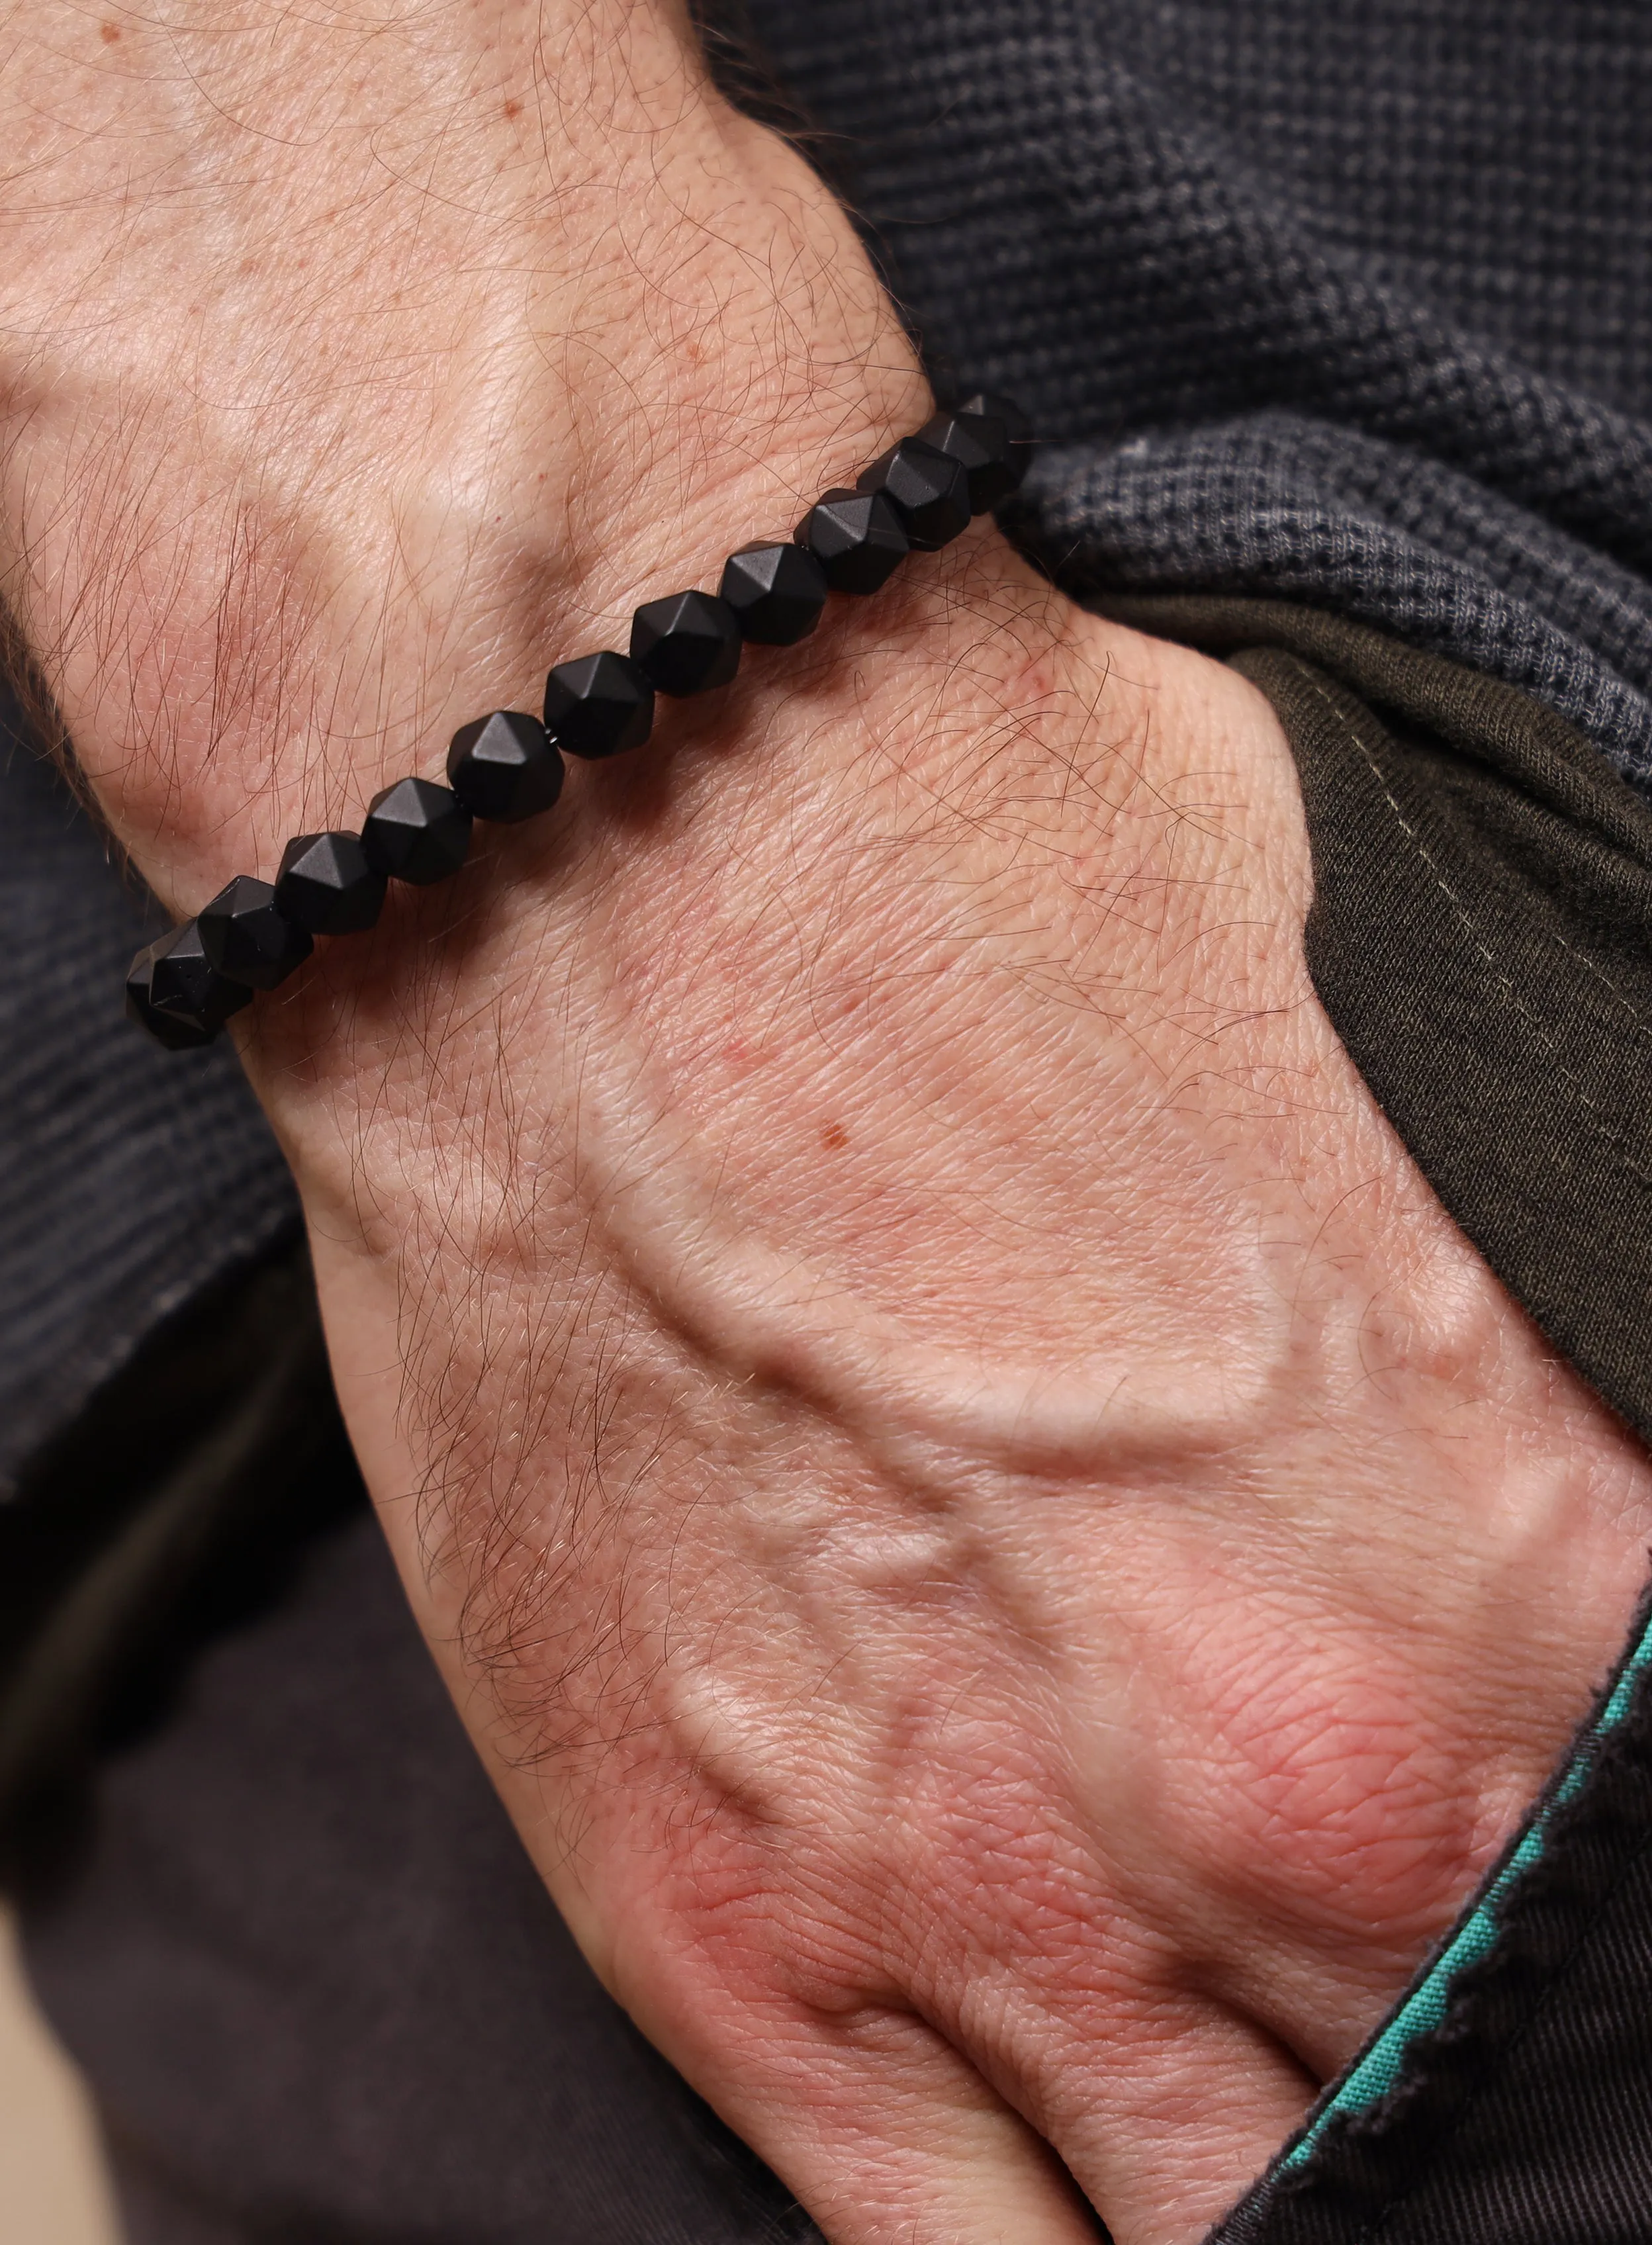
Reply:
x=916, y=497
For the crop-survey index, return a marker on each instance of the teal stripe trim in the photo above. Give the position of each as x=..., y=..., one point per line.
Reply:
x=1375, y=2074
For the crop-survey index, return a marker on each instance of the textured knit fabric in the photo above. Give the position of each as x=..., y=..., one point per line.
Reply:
x=131, y=1179
x=1350, y=305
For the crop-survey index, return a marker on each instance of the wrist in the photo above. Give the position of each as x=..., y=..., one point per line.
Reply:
x=297, y=483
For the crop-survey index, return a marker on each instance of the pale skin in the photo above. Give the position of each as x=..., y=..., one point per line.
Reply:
x=1011, y=1566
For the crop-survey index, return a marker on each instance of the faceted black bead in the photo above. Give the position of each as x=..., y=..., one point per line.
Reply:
x=930, y=492
x=176, y=1035
x=856, y=538
x=982, y=443
x=200, y=1000
x=176, y=1031
x=417, y=830
x=687, y=643
x=502, y=767
x=184, y=983
x=326, y=885
x=989, y=406
x=776, y=591
x=598, y=705
x=248, y=938
x=166, y=1029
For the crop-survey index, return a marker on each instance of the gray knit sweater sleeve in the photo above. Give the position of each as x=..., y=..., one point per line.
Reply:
x=1348, y=306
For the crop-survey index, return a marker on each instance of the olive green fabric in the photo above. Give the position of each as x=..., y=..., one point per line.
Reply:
x=1481, y=937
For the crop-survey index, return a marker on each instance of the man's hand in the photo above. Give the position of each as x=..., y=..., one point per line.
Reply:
x=1010, y=1564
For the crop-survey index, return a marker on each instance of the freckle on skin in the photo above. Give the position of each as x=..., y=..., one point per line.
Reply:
x=833, y=1136
x=108, y=33
x=513, y=108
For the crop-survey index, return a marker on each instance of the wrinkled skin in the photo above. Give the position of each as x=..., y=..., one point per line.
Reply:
x=1011, y=1565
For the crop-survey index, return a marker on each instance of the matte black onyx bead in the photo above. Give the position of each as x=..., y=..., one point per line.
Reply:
x=988, y=405
x=176, y=1035
x=502, y=767
x=776, y=591
x=248, y=938
x=930, y=492
x=687, y=643
x=185, y=984
x=326, y=885
x=598, y=705
x=856, y=538
x=981, y=442
x=199, y=998
x=166, y=1029
x=416, y=831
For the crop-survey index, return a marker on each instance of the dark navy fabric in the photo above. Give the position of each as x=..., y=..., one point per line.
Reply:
x=1347, y=305
x=131, y=1179
x=1520, y=2111
x=322, y=1995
